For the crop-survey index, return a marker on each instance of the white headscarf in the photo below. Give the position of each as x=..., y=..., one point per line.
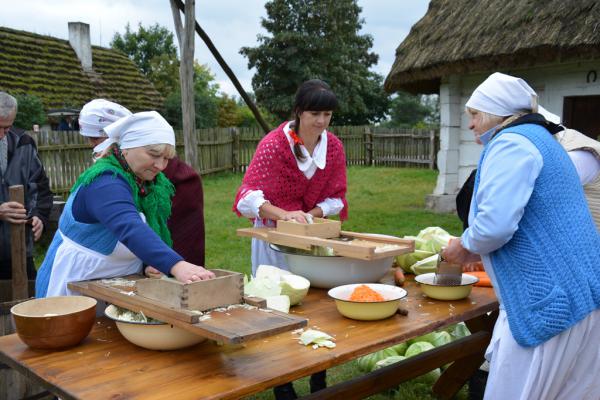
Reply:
x=504, y=95
x=97, y=114
x=137, y=130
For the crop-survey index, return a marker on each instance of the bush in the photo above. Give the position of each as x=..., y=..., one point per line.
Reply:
x=30, y=111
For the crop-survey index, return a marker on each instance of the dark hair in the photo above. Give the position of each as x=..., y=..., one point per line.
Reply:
x=312, y=95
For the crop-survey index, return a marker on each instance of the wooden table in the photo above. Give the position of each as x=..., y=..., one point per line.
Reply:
x=107, y=366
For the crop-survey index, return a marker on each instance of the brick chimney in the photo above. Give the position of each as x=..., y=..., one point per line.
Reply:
x=79, y=38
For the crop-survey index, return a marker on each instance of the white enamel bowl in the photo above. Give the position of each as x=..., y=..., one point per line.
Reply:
x=367, y=311
x=440, y=292
x=326, y=272
x=153, y=335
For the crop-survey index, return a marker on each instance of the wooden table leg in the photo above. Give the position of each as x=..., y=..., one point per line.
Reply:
x=457, y=374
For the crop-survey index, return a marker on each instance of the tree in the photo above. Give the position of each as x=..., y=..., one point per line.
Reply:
x=30, y=111
x=409, y=111
x=234, y=112
x=317, y=39
x=153, y=51
x=205, y=100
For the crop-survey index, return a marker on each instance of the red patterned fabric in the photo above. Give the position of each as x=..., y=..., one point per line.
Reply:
x=274, y=170
x=186, y=223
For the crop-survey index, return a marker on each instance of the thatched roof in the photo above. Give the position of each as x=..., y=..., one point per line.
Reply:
x=466, y=36
x=49, y=68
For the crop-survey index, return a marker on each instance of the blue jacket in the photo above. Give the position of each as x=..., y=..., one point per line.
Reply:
x=548, y=274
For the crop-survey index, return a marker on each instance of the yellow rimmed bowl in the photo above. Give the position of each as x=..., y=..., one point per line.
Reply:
x=444, y=292
x=367, y=311
x=153, y=335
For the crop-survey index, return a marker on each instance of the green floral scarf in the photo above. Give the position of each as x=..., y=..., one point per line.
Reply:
x=151, y=198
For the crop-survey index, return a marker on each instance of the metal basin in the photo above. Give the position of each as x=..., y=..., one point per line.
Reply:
x=326, y=272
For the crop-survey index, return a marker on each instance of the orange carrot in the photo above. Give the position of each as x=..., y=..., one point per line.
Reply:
x=484, y=279
x=363, y=293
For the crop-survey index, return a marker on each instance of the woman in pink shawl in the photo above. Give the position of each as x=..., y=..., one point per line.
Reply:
x=298, y=171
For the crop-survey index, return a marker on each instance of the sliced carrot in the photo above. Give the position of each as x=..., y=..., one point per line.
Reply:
x=484, y=278
x=363, y=293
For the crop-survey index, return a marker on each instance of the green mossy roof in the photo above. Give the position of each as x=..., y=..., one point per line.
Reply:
x=49, y=68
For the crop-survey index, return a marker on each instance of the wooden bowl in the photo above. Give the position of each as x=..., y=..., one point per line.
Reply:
x=367, y=311
x=442, y=292
x=153, y=335
x=54, y=322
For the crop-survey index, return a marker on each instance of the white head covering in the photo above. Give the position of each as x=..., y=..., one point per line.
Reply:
x=504, y=95
x=97, y=114
x=137, y=130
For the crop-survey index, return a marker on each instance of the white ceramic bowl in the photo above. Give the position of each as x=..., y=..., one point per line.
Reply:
x=367, y=311
x=327, y=272
x=153, y=335
x=442, y=292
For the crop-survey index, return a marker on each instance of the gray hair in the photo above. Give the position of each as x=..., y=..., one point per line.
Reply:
x=8, y=105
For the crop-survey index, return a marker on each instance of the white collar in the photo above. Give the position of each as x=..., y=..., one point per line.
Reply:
x=319, y=156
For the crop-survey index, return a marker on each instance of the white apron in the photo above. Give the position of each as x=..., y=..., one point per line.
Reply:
x=564, y=367
x=74, y=262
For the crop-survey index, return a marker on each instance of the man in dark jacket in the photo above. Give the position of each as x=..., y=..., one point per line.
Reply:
x=20, y=165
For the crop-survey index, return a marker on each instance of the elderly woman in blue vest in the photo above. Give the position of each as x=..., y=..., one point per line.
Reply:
x=115, y=219
x=531, y=226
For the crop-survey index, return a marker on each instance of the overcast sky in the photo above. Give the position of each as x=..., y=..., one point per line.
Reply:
x=231, y=24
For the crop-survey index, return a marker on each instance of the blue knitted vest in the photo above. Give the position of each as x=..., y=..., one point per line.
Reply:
x=549, y=272
x=92, y=236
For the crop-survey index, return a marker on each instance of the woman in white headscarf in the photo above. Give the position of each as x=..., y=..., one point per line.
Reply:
x=531, y=227
x=96, y=115
x=115, y=219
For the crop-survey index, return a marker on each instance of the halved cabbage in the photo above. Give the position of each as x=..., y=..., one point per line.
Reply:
x=294, y=286
x=272, y=281
x=279, y=303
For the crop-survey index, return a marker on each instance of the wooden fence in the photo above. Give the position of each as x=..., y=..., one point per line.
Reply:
x=66, y=154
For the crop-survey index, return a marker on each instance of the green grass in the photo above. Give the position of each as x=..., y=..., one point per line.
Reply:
x=381, y=200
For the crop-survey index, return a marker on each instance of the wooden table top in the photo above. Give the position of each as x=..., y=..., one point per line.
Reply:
x=105, y=365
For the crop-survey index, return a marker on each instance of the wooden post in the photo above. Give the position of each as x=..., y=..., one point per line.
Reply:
x=368, y=139
x=185, y=36
x=235, y=149
x=431, y=149
x=228, y=71
x=18, y=248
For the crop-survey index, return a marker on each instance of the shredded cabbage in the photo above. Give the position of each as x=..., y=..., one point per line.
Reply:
x=321, y=339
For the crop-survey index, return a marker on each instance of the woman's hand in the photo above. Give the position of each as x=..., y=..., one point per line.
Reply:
x=269, y=211
x=152, y=272
x=187, y=272
x=298, y=216
x=455, y=253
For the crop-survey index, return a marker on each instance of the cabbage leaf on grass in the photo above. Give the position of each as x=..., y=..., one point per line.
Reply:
x=367, y=363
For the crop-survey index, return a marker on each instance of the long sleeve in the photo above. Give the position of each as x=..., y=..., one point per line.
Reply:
x=331, y=206
x=587, y=166
x=108, y=200
x=508, y=174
